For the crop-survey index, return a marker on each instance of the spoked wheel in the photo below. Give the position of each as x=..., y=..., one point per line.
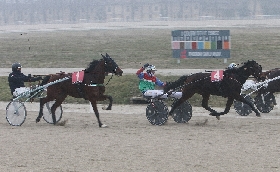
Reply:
x=183, y=113
x=242, y=108
x=157, y=113
x=47, y=114
x=265, y=102
x=15, y=113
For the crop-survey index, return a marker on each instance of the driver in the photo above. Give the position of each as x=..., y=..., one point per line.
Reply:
x=148, y=81
x=16, y=80
x=231, y=70
x=232, y=66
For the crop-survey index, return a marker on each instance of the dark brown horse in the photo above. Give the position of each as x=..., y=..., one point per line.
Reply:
x=229, y=87
x=271, y=87
x=91, y=88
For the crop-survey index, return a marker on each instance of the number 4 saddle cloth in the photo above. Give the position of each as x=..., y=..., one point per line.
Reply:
x=217, y=75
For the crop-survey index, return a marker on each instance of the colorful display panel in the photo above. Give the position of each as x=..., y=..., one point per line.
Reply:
x=200, y=43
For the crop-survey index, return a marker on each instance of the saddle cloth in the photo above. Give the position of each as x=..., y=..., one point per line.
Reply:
x=78, y=77
x=217, y=75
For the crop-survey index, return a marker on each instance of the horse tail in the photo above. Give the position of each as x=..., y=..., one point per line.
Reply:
x=45, y=80
x=176, y=84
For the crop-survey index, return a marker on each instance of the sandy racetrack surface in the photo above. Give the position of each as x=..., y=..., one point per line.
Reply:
x=131, y=143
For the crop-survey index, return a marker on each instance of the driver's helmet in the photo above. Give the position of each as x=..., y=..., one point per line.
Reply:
x=232, y=66
x=16, y=66
x=151, y=68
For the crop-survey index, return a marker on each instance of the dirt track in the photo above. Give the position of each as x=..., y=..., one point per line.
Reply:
x=131, y=143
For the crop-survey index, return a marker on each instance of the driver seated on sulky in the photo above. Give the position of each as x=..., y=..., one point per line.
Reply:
x=16, y=80
x=148, y=81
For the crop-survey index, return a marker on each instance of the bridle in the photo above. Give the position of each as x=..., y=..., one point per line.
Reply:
x=113, y=68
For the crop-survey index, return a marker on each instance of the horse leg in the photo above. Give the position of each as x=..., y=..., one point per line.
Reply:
x=40, y=110
x=57, y=103
x=176, y=104
x=242, y=99
x=228, y=105
x=94, y=106
x=110, y=103
x=43, y=101
x=204, y=104
x=181, y=100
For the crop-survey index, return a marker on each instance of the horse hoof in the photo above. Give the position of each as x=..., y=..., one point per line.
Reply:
x=218, y=117
x=37, y=120
x=258, y=115
x=104, y=126
x=104, y=108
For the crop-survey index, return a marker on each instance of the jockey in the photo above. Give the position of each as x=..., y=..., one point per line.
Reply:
x=231, y=70
x=16, y=79
x=232, y=66
x=148, y=80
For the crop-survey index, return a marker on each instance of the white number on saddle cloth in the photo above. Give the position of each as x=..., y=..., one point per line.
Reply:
x=78, y=77
x=217, y=75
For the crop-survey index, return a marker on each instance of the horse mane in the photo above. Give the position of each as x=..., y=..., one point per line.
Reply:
x=92, y=65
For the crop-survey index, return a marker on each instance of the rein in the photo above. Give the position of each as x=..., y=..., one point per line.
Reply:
x=109, y=79
x=185, y=84
x=97, y=85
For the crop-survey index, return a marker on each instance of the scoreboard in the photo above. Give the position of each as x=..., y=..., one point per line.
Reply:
x=201, y=43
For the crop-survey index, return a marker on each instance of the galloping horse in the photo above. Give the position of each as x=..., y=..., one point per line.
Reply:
x=230, y=87
x=90, y=88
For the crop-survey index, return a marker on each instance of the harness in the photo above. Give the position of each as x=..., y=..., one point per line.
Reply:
x=78, y=78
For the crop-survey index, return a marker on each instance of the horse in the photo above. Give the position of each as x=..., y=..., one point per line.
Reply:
x=272, y=86
x=229, y=87
x=91, y=88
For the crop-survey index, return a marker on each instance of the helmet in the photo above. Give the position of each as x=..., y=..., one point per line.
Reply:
x=16, y=66
x=151, y=68
x=232, y=66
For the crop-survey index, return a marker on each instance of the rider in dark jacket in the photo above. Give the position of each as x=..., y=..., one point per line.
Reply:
x=16, y=78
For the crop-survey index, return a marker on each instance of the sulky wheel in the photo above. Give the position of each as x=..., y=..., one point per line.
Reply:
x=15, y=113
x=242, y=108
x=157, y=113
x=265, y=102
x=47, y=115
x=183, y=113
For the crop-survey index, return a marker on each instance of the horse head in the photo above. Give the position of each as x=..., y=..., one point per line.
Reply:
x=253, y=68
x=111, y=66
x=264, y=76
